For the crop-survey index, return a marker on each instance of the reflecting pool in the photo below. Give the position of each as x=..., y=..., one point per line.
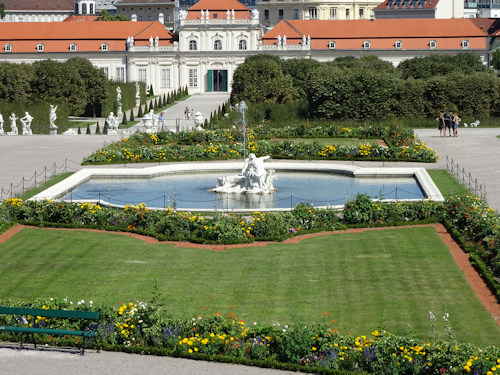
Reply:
x=189, y=190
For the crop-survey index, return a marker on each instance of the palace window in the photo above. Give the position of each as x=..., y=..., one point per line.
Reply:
x=332, y=45
x=40, y=47
x=193, y=46
x=333, y=13
x=242, y=44
x=142, y=75
x=193, y=77
x=367, y=44
x=166, y=77
x=361, y=13
x=218, y=45
x=432, y=44
x=105, y=69
x=398, y=44
x=120, y=74
x=72, y=47
x=465, y=44
x=313, y=13
x=8, y=47
x=104, y=47
x=280, y=14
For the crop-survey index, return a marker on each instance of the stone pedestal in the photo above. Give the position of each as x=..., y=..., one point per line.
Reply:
x=137, y=102
x=112, y=132
x=53, y=130
x=119, y=110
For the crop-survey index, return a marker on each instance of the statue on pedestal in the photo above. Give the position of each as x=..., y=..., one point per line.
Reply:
x=253, y=179
x=52, y=119
x=112, y=124
x=13, y=125
x=1, y=125
x=26, y=121
x=119, y=99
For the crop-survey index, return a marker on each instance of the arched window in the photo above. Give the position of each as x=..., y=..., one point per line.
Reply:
x=367, y=44
x=332, y=45
x=8, y=47
x=398, y=44
x=40, y=47
x=72, y=47
x=193, y=46
x=84, y=8
x=218, y=45
x=104, y=47
x=465, y=44
x=432, y=44
x=243, y=44
x=91, y=8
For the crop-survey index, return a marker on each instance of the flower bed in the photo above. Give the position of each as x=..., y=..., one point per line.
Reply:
x=228, y=144
x=308, y=346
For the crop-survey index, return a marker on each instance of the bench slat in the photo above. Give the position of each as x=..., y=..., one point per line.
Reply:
x=47, y=331
x=93, y=315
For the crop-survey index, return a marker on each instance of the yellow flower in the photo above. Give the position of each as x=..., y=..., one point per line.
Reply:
x=190, y=351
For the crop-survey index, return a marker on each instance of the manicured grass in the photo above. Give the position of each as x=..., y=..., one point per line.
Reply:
x=394, y=276
x=81, y=124
x=446, y=182
x=333, y=141
x=50, y=182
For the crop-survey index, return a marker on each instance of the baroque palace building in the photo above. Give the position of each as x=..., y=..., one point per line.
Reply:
x=215, y=37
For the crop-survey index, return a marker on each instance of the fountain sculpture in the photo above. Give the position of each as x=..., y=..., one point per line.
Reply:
x=253, y=179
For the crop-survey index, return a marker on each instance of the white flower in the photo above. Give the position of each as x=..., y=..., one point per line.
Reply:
x=431, y=316
x=51, y=298
x=254, y=323
x=284, y=330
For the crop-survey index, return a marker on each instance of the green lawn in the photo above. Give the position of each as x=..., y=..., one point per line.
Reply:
x=333, y=141
x=446, y=182
x=394, y=276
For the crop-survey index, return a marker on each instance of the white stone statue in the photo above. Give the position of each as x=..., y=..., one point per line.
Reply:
x=13, y=125
x=198, y=120
x=151, y=41
x=207, y=14
x=137, y=90
x=157, y=41
x=284, y=40
x=303, y=39
x=253, y=179
x=118, y=94
x=202, y=14
x=228, y=14
x=182, y=14
x=26, y=122
x=279, y=39
x=53, y=116
x=1, y=125
x=309, y=40
x=130, y=42
x=112, y=124
x=150, y=122
x=233, y=15
x=255, y=14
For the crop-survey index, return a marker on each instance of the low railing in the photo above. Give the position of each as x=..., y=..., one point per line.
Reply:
x=38, y=178
x=466, y=179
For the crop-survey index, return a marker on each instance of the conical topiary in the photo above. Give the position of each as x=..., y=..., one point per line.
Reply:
x=168, y=99
x=140, y=114
x=88, y=130
x=105, y=131
x=132, y=115
x=79, y=130
x=124, y=120
x=155, y=104
x=97, y=130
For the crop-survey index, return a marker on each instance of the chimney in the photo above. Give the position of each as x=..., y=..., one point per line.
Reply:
x=133, y=18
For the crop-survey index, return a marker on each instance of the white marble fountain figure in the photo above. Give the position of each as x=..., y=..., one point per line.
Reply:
x=253, y=179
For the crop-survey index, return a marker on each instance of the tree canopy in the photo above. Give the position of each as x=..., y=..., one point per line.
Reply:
x=106, y=16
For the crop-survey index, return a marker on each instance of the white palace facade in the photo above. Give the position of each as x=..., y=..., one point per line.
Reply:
x=214, y=39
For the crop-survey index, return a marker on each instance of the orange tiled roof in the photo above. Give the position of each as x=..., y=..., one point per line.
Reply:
x=80, y=18
x=57, y=36
x=382, y=34
x=489, y=25
x=38, y=5
x=217, y=9
x=407, y=5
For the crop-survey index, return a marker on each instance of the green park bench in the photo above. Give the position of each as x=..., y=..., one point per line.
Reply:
x=22, y=313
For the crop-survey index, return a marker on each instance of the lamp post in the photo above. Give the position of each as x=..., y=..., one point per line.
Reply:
x=242, y=108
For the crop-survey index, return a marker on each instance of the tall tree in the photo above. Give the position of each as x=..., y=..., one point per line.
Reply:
x=94, y=80
x=260, y=79
x=106, y=16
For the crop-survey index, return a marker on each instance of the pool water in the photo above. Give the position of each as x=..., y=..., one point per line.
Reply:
x=189, y=190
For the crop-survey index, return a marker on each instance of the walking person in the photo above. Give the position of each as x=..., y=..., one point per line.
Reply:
x=456, y=122
x=441, y=126
x=447, y=123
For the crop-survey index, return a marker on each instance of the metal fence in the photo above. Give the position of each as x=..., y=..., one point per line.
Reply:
x=37, y=179
x=466, y=179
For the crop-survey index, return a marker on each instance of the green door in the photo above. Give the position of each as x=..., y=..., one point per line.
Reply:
x=210, y=80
